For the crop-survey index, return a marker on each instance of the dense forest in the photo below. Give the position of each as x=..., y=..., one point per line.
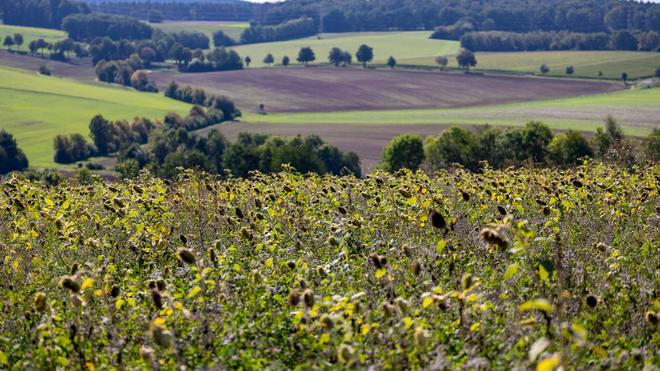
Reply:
x=351, y=15
x=39, y=13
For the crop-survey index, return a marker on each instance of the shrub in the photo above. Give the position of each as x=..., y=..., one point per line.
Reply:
x=12, y=157
x=403, y=151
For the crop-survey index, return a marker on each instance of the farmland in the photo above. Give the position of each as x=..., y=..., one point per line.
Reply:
x=36, y=108
x=233, y=29
x=31, y=33
x=586, y=63
x=398, y=44
x=319, y=89
x=638, y=110
x=508, y=269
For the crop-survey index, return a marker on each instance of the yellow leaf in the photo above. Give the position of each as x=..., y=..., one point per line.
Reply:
x=119, y=303
x=269, y=263
x=543, y=273
x=193, y=292
x=380, y=273
x=440, y=246
x=475, y=327
x=324, y=338
x=540, y=304
x=90, y=366
x=4, y=360
x=510, y=271
x=98, y=293
x=407, y=322
x=87, y=283
x=548, y=364
x=364, y=329
x=427, y=302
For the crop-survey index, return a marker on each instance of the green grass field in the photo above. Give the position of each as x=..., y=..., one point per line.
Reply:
x=31, y=33
x=586, y=63
x=637, y=110
x=35, y=108
x=397, y=44
x=233, y=29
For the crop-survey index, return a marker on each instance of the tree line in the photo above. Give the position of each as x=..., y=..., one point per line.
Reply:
x=533, y=41
x=109, y=137
x=288, y=30
x=200, y=97
x=38, y=13
x=176, y=148
x=533, y=144
x=85, y=27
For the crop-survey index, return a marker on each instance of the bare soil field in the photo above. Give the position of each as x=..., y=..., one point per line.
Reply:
x=327, y=89
x=80, y=70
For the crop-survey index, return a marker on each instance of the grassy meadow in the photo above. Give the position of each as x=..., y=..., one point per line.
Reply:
x=36, y=108
x=31, y=33
x=638, y=111
x=397, y=44
x=586, y=63
x=233, y=29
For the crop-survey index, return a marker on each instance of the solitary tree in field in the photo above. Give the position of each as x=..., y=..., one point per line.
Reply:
x=18, y=40
x=8, y=42
x=657, y=72
x=285, y=61
x=248, y=60
x=544, y=69
x=624, y=77
x=269, y=59
x=365, y=54
x=335, y=57
x=570, y=70
x=306, y=55
x=441, y=61
x=391, y=62
x=466, y=59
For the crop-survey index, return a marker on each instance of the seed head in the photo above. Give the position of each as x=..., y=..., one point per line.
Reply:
x=407, y=250
x=466, y=196
x=308, y=298
x=40, y=303
x=157, y=298
x=493, y=237
x=416, y=268
x=345, y=353
x=326, y=322
x=294, y=297
x=437, y=220
x=114, y=291
x=160, y=284
x=70, y=284
x=501, y=209
x=76, y=300
x=591, y=301
x=651, y=317
x=161, y=336
x=186, y=255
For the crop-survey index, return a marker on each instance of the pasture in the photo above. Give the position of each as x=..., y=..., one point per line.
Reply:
x=587, y=64
x=36, y=108
x=31, y=33
x=329, y=89
x=400, y=45
x=233, y=29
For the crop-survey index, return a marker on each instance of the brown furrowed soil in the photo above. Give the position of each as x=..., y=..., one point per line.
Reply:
x=327, y=89
x=79, y=69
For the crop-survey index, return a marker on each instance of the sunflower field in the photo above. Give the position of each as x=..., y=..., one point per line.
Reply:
x=540, y=269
